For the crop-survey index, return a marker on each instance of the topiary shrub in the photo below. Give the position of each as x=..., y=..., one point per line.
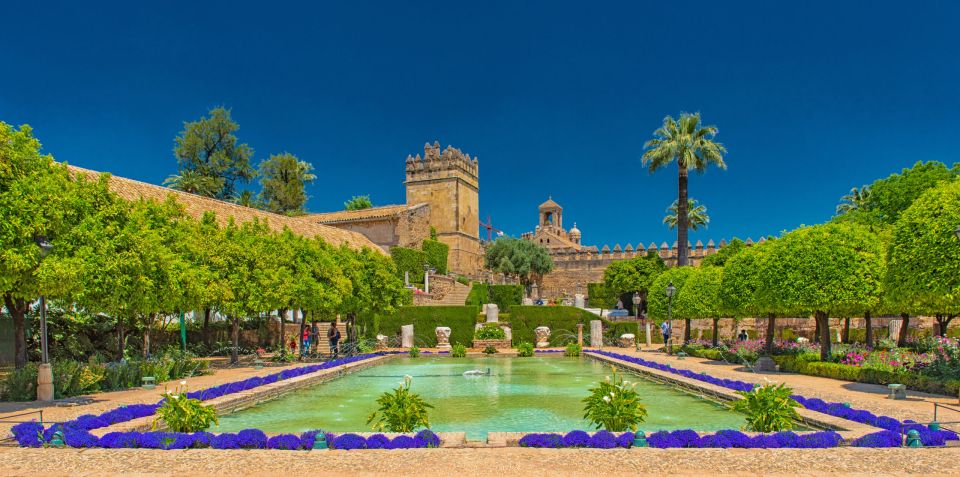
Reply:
x=525, y=350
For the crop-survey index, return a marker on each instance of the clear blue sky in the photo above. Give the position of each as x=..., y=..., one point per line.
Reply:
x=811, y=98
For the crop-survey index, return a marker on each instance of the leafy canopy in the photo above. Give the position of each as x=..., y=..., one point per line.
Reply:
x=283, y=179
x=701, y=294
x=633, y=275
x=657, y=299
x=517, y=257
x=358, y=202
x=210, y=159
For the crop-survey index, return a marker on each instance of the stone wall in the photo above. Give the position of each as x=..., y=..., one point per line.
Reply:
x=561, y=282
x=414, y=226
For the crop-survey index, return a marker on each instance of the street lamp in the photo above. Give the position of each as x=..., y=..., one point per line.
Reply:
x=636, y=308
x=44, y=372
x=670, y=291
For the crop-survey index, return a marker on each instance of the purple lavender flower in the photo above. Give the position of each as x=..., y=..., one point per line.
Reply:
x=349, y=442
x=252, y=439
x=576, y=439
x=603, y=440
x=202, y=439
x=225, y=441
x=120, y=440
x=378, y=441
x=284, y=442
x=625, y=440
x=28, y=434
x=550, y=441
x=428, y=437
x=879, y=439
x=80, y=438
x=663, y=440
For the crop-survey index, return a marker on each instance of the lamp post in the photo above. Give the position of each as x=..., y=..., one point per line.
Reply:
x=44, y=372
x=426, y=278
x=670, y=291
x=636, y=308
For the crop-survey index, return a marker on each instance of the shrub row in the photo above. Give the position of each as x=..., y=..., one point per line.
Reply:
x=846, y=372
x=425, y=320
x=562, y=321
x=505, y=296
x=600, y=296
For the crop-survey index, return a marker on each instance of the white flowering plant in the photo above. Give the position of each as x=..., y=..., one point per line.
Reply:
x=183, y=414
x=614, y=405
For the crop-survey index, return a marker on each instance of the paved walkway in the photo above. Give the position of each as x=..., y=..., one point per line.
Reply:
x=871, y=397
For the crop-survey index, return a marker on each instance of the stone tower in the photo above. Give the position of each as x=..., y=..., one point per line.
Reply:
x=448, y=182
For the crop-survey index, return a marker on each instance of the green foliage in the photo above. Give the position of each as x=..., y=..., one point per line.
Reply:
x=696, y=215
x=436, y=255
x=21, y=384
x=433, y=233
x=562, y=321
x=505, y=296
x=573, y=350
x=768, y=408
x=401, y=410
x=210, y=160
x=458, y=351
x=600, y=296
x=700, y=297
x=519, y=258
x=414, y=352
x=923, y=275
x=409, y=260
x=741, y=280
x=634, y=275
x=426, y=319
x=182, y=414
x=71, y=378
x=525, y=350
x=891, y=196
x=358, y=202
x=489, y=333
x=657, y=298
x=490, y=350
x=724, y=254
x=614, y=405
x=283, y=179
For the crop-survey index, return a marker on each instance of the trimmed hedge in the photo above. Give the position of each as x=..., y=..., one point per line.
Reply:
x=562, y=321
x=425, y=320
x=504, y=296
x=846, y=372
x=409, y=260
x=599, y=296
x=435, y=253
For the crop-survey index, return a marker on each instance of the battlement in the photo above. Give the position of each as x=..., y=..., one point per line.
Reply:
x=593, y=257
x=451, y=163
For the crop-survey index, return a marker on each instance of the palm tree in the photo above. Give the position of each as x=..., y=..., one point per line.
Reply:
x=691, y=145
x=696, y=215
x=855, y=200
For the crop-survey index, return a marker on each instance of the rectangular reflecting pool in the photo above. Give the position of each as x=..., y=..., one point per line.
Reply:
x=538, y=394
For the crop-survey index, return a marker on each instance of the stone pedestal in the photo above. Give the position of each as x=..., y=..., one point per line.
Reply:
x=507, y=333
x=578, y=301
x=628, y=340
x=383, y=342
x=493, y=313
x=765, y=364
x=894, y=328
x=406, y=336
x=543, y=336
x=527, y=301
x=580, y=334
x=596, y=334
x=649, y=338
x=443, y=337
x=45, y=382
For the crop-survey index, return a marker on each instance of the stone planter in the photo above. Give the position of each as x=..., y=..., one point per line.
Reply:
x=543, y=336
x=443, y=337
x=499, y=344
x=628, y=340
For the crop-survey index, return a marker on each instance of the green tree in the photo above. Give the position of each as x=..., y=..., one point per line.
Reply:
x=690, y=144
x=724, y=254
x=885, y=199
x=376, y=287
x=38, y=199
x=657, y=301
x=831, y=269
x=696, y=215
x=523, y=259
x=245, y=263
x=738, y=288
x=283, y=178
x=204, y=287
x=210, y=159
x=633, y=275
x=923, y=274
x=701, y=297
x=358, y=202
x=855, y=200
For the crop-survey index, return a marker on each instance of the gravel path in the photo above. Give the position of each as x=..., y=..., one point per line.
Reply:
x=482, y=462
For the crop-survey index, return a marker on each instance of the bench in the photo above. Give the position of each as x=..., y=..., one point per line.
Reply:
x=149, y=382
x=897, y=391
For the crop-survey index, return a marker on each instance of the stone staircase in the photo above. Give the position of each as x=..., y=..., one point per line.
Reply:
x=455, y=297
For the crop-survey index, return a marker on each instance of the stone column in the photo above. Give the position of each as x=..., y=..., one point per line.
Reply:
x=578, y=301
x=596, y=334
x=649, y=338
x=894, y=328
x=406, y=336
x=45, y=382
x=580, y=334
x=493, y=313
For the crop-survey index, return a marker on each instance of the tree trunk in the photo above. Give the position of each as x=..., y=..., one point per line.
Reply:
x=281, y=313
x=824, y=321
x=686, y=330
x=234, y=353
x=716, y=331
x=816, y=331
x=146, y=334
x=682, y=219
x=943, y=322
x=902, y=339
x=868, y=324
x=121, y=338
x=303, y=326
x=771, y=330
x=846, y=330
x=206, y=327
x=18, y=310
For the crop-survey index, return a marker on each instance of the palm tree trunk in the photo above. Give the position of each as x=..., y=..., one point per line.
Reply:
x=18, y=310
x=902, y=339
x=867, y=322
x=682, y=218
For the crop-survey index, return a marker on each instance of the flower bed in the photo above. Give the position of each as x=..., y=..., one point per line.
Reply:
x=27, y=433
x=928, y=437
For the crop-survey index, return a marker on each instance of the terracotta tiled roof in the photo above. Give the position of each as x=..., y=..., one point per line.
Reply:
x=362, y=214
x=196, y=206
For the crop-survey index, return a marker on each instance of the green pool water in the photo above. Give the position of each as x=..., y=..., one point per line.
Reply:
x=538, y=394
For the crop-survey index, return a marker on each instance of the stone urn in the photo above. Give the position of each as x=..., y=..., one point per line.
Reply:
x=443, y=337
x=628, y=340
x=543, y=336
x=383, y=342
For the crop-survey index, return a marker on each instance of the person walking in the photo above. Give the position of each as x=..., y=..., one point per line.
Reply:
x=305, y=349
x=665, y=331
x=315, y=336
x=333, y=335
